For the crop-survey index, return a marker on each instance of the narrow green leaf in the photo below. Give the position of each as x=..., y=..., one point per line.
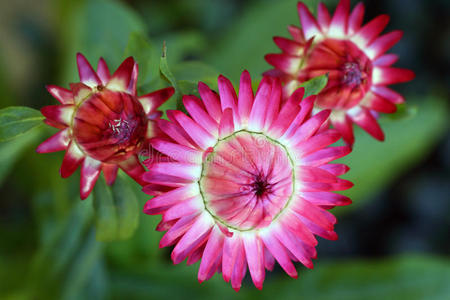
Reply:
x=168, y=75
x=315, y=85
x=126, y=205
x=17, y=120
x=105, y=211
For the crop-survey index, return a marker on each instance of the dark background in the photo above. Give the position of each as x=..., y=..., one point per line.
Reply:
x=393, y=241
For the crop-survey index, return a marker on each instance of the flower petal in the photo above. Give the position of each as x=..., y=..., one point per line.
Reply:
x=63, y=95
x=153, y=100
x=87, y=74
x=57, y=142
x=120, y=80
x=103, y=71
x=90, y=170
x=72, y=159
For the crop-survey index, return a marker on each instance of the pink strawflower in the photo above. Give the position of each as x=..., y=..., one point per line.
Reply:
x=248, y=183
x=103, y=123
x=354, y=57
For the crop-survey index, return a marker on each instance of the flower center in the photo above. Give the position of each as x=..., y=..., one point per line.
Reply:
x=352, y=75
x=349, y=70
x=110, y=126
x=247, y=180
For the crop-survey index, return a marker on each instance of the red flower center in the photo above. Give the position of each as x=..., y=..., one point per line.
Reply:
x=110, y=126
x=247, y=180
x=349, y=71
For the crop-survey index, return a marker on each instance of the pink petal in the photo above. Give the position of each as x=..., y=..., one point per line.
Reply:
x=288, y=46
x=228, y=98
x=120, y=81
x=87, y=74
x=379, y=104
x=211, y=100
x=323, y=17
x=279, y=252
x=306, y=107
x=316, y=229
x=177, y=133
x=179, y=169
x=345, y=127
x=212, y=249
x=309, y=24
x=181, y=209
x=240, y=268
x=314, y=174
x=254, y=253
x=388, y=75
x=110, y=172
x=245, y=100
x=336, y=169
x=103, y=71
x=294, y=246
x=90, y=170
x=269, y=260
x=61, y=114
x=192, y=238
x=153, y=100
x=177, y=152
x=195, y=109
x=72, y=159
x=63, y=95
x=292, y=222
x=177, y=230
x=274, y=103
x=387, y=93
x=383, y=43
x=385, y=60
x=312, y=213
x=370, y=31
x=133, y=80
x=326, y=198
x=296, y=33
x=226, y=126
x=287, y=63
x=356, y=18
x=80, y=91
x=318, y=141
x=57, y=142
x=338, y=26
x=200, y=136
x=287, y=114
x=258, y=113
x=366, y=121
x=231, y=247
x=310, y=127
x=326, y=155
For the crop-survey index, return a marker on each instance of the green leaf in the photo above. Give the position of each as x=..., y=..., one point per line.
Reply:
x=244, y=44
x=167, y=74
x=126, y=205
x=96, y=28
x=116, y=209
x=145, y=55
x=12, y=150
x=315, y=85
x=374, y=165
x=18, y=120
x=105, y=212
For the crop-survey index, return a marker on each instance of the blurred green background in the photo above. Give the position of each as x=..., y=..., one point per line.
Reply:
x=393, y=240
